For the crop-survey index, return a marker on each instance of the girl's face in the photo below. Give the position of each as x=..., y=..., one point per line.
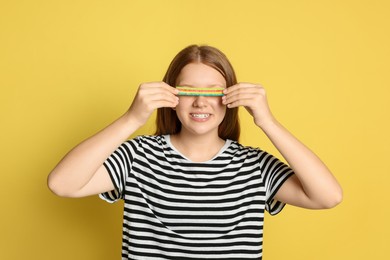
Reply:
x=200, y=115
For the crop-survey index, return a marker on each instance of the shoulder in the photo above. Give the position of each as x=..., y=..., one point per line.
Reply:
x=236, y=147
x=240, y=151
x=150, y=142
x=143, y=139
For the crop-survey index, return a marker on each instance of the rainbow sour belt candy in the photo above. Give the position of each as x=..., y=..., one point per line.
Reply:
x=210, y=92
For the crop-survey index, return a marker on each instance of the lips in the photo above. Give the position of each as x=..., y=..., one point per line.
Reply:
x=200, y=116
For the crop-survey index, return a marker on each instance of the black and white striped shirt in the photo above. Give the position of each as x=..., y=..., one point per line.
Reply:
x=179, y=209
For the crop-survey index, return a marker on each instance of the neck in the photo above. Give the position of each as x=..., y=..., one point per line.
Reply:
x=197, y=148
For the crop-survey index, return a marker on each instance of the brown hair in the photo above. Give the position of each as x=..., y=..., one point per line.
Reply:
x=167, y=121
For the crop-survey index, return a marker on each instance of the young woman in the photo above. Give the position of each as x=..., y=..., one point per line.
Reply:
x=191, y=191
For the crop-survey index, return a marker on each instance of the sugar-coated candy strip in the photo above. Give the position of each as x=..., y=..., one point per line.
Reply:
x=186, y=91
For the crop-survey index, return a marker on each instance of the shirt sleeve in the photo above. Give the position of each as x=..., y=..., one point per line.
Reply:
x=275, y=173
x=118, y=166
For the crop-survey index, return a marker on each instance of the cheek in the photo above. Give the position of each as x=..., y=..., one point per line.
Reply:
x=184, y=101
x=218, y=103
x=220, y=108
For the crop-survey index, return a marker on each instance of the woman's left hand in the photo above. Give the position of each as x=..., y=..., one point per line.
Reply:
x=252, y=97
x=313, y=185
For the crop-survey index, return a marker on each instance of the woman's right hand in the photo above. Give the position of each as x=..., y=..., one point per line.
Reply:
x=81, y=172
x=151, y=96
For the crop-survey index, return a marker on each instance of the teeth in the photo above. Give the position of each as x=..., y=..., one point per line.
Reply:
x=200, y=115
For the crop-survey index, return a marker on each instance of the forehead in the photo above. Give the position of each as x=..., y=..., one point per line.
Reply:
x=200, y=75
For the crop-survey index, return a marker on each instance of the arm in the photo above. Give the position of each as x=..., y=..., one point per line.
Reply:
x=313, y=185
x=81, y=172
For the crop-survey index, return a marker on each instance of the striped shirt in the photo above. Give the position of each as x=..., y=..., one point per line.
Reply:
x=178, y=209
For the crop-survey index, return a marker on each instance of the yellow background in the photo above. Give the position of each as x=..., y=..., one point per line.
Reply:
x=68, y=68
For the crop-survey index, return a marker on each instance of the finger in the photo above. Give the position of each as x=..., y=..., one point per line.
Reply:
x=163, y=96
x=164, y=87
x=245, y=102
x=240, y=86
x=169, y=88
x=248, y=93
x=149, y=107
x=160, y=104
x=156, y=86
x=236, y=97
x=243, y=91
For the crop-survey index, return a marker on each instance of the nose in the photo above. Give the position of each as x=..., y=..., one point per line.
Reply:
x=200, y=101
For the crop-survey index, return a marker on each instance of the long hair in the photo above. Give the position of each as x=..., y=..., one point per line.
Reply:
x=167, y=121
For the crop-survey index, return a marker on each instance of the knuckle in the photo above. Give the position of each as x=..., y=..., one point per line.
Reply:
x=149, y=106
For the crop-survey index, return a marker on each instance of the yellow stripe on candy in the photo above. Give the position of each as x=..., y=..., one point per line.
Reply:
x=213, y=92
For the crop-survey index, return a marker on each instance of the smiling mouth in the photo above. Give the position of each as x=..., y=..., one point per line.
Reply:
x=200, y=115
